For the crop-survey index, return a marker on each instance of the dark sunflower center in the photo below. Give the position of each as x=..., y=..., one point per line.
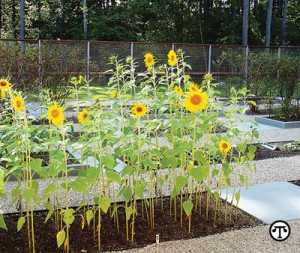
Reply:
x=55, y=113
x=85, y=115
x=172, y=58
x=196, y=99
x=224, y=146
x=18, y=103
x=3, y=84
x=149, y=59
x=139, y=109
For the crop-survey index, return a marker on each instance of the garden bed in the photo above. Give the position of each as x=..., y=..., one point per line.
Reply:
x=82, y=240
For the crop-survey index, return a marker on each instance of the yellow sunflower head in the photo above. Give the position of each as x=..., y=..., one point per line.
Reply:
x=84, y=116
x=193, y=87
x=149, y=60
x=224, y=146
x=178, y=90
x=4, y=84
x=196, y=101
x=172, y=58
x=113, y=94
x=18, y=103
x=208, y=77
x=139, y=109
x=56, y=114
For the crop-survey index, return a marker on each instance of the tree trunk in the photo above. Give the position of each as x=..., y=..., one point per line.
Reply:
x=22, y=24
x=245, y=21
x=279, y=9
x=283, y=27
x=269, y=22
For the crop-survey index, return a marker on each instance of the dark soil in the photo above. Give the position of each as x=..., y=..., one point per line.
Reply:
x=82, y=240
x=280, y=151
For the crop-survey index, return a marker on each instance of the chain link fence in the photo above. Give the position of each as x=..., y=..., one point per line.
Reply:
x=51, y=63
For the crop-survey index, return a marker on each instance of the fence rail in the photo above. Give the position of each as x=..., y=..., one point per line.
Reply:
x=49, y=61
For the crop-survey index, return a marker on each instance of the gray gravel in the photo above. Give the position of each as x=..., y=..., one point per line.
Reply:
x=247, y=240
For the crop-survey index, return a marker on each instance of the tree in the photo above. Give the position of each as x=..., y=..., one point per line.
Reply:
x=246, y=4
x=269, y=22
x=283, y=27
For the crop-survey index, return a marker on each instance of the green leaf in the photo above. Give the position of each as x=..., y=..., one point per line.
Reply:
x=127, y=170
x=237, y=196
x=227, y=170
x=242, y=147
x=251, y=153
x=108, y=161
x=127, y=193
x=28, y=194
x=92, y=174
x=188, y=207
x=169, y=161
x=36, y=164
x=89, y=216
x=181, y=181
x=21, y=222
x=104, y=203
x=49, y=190
x=199, y=173
x=60, y=237
x=68, y=216
x=51, y=209
x=114, y=176
x=129, y=211
x=79, y=185
x=2, y=222
x=140, y=188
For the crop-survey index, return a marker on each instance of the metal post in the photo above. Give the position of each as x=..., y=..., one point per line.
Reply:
x=246, y=64
x=209, y=58
x=88, y=62
x=40, y=71
x=131, y=55
x=278, y=71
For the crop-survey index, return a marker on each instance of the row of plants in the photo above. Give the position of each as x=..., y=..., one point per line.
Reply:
x=270, y=77
x=164, y=132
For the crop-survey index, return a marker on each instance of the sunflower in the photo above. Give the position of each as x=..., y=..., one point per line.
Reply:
x=139, y=109
x=18, y=103
x=4, y=85
x=84, y=116
x=56, y=114
x=193, y=87
x=196, y=101
x=208, y=77
x=178, y=90
x=172, y=58
x=149, y=60
x=224, y=146
x=113, y=94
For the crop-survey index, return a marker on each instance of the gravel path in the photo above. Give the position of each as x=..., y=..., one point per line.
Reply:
x=249, y=240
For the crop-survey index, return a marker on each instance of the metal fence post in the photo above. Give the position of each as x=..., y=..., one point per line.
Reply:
x=209, y=58
x=40, y=71
x=246, y=64
x=131, y=55
x=88, y=62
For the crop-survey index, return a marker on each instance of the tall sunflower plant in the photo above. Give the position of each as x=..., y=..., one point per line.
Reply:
x=157, y=135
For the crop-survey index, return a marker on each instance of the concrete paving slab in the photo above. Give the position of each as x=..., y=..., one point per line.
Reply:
x=270, y=202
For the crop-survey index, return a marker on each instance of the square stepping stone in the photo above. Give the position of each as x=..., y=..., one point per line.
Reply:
x=269, y=202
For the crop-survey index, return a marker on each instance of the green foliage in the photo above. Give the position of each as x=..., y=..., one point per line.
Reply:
x=152, y=21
